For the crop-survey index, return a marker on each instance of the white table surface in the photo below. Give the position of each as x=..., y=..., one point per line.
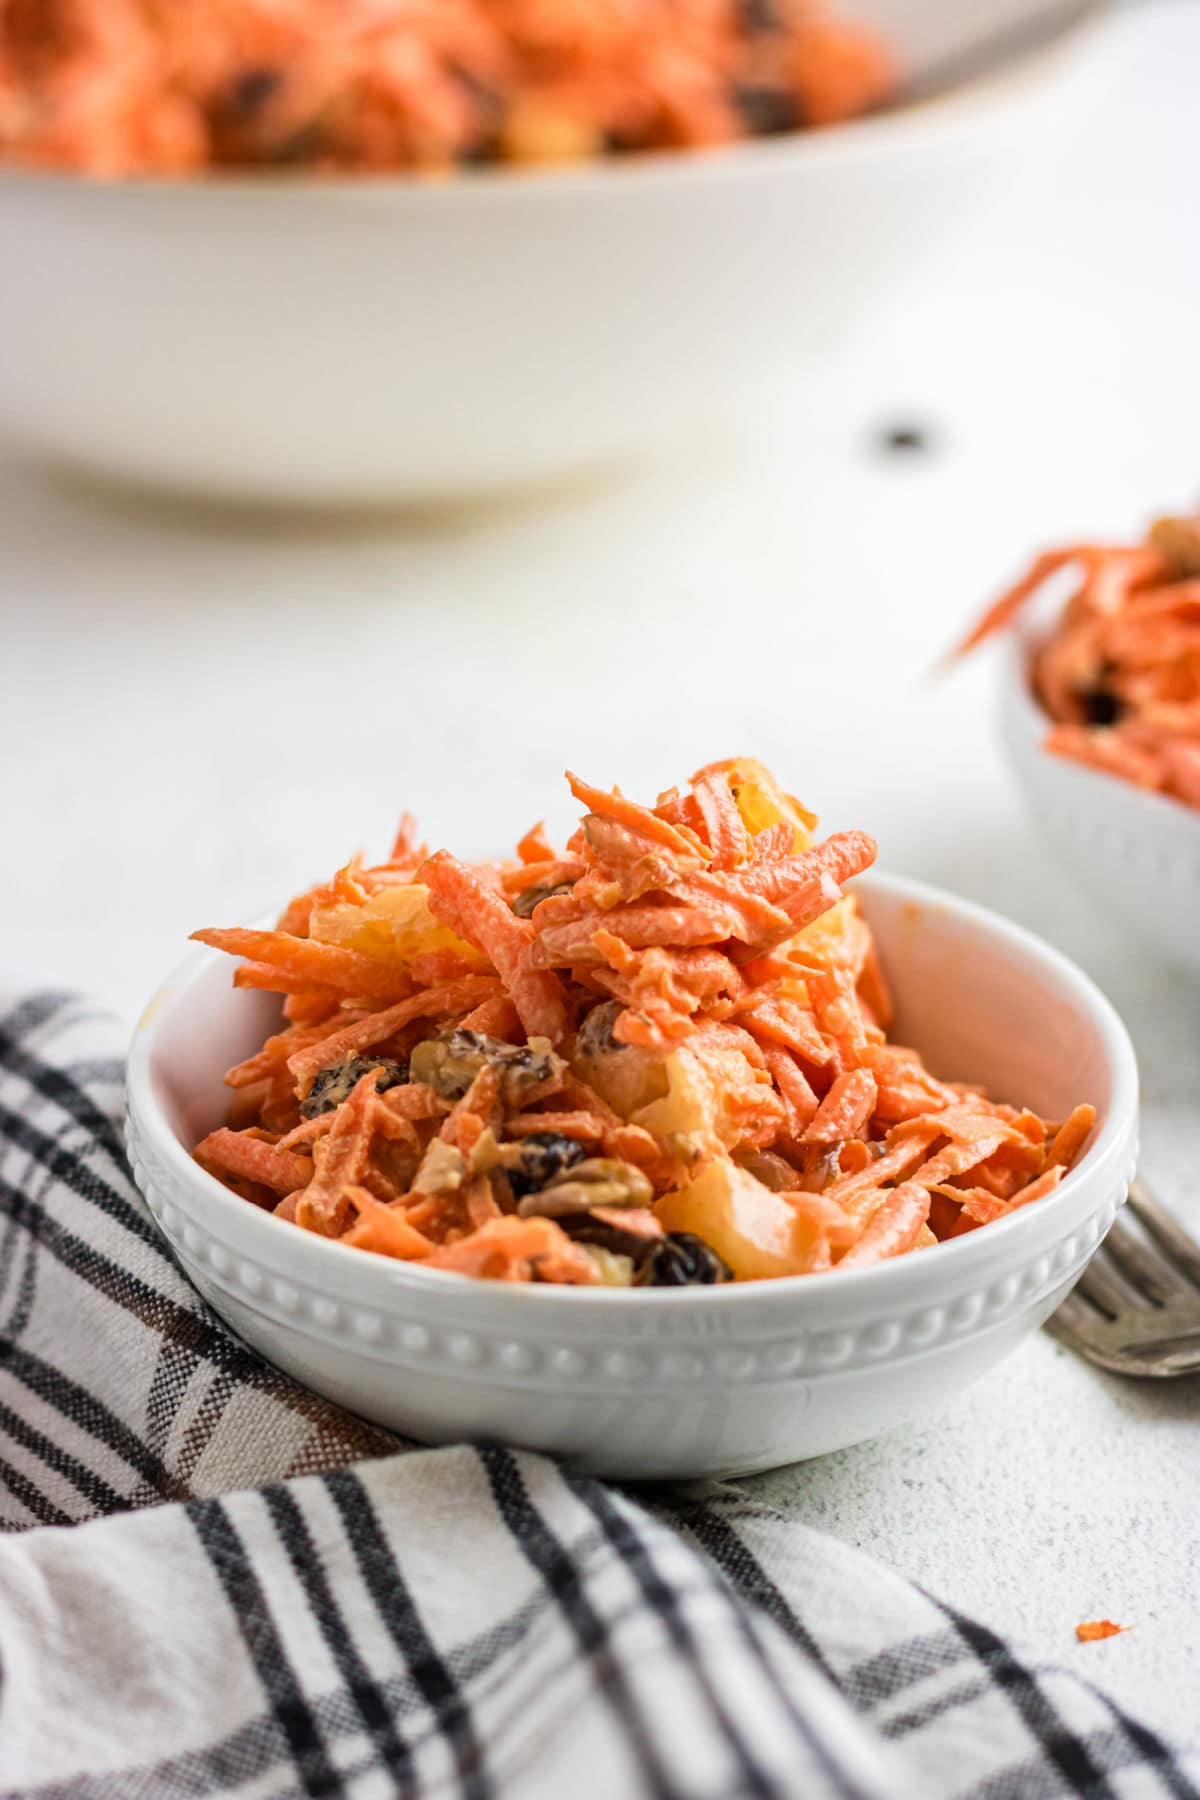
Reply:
x=198, y=715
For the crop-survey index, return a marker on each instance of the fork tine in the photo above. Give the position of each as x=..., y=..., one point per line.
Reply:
x=1159, y=1281
x=1075, y=1323
x=1177, y=1245
x=1104, y=1289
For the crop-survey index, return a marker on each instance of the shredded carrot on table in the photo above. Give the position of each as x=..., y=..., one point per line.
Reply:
x=130, y=87
x=712, y=1050
x=1118, y=673
x=1092, y=1630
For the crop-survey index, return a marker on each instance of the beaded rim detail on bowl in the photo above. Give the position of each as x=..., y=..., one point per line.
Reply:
x=530, y=1361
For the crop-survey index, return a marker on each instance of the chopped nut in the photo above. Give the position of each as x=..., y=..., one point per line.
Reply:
x=442, y=1169
x=451, y=1062
x=615, y=1270
x=1178, y=541
x=596, y=1181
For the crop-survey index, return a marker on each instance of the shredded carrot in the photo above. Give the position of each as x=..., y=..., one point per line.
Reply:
x=477, y=912
x=383, y=1229
x=845, y=1109
x=340, y=1161
x=310, y=964
x=724, y=827
x=892, y=1229
x=377, y=1028
x=685, y=1036
x=1070, y=1138
x=252, y=1158
x=535, y=846
x=1118, y=672
x=1092, y=1630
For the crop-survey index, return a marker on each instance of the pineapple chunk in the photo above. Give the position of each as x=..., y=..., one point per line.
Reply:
x=762, y=802
x=688, y=1105
x=393, y=925
x=625, y=1075
x=757, y=1232
x=825, y=937
x=715, y=1099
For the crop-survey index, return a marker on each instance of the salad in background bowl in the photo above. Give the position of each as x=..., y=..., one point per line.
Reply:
x=1100, y=712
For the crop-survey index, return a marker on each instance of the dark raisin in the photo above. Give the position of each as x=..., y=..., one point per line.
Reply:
x=759, y=17
x=904, y=439
x=614, y=1230
x=336, y=1083
x=544, y=1155
x=766, y=111
x=1100, y=705
x=252, y=90
x=683, y=1260
x=304, y=145
x=595, y=1036
x=524, y=903
x=487, y=105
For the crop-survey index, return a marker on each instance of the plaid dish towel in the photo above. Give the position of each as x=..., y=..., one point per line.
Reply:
x=214, y=1583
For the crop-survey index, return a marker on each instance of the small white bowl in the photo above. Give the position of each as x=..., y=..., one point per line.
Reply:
x=342, y=341
x=666, y=1383
x=1137, y=853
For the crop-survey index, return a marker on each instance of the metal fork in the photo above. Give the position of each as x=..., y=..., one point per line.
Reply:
x=1136, y=1308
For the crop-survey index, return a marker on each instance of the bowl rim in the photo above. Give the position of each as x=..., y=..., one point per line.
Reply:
x=1024, y=712
x=1109, y=1150
x=1079, y=27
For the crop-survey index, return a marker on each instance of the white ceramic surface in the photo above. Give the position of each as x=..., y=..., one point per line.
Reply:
x=666, y=1383
x=349, y=341
x=1137, y=854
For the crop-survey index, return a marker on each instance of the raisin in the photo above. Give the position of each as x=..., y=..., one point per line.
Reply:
x=544, y=1155
x=905, y=438
x=332, y=1085
x=759, y=17
x=1101, y=706
x=524, y=903
x=252, y=90
x=766, y=111
x=595, y=1037
x=684, y=1260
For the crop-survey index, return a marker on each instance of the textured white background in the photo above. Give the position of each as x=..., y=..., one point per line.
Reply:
x=199, y=715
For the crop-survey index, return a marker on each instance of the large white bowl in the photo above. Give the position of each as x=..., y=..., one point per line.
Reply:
x=662, y=1383
x=334, y=341
x=1137, y=854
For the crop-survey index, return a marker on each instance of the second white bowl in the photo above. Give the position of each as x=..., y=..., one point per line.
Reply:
x=1137, y=853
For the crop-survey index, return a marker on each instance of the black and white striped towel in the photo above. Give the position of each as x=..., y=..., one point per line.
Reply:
x=214, y=1583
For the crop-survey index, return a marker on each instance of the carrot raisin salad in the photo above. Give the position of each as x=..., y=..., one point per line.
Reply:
x=656, y=1057
x=1119, y=671
x=131, y=87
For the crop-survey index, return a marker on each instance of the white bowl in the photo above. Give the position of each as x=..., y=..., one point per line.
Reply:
x=1137, y=853
x=337, y=341
x=666, y=1383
